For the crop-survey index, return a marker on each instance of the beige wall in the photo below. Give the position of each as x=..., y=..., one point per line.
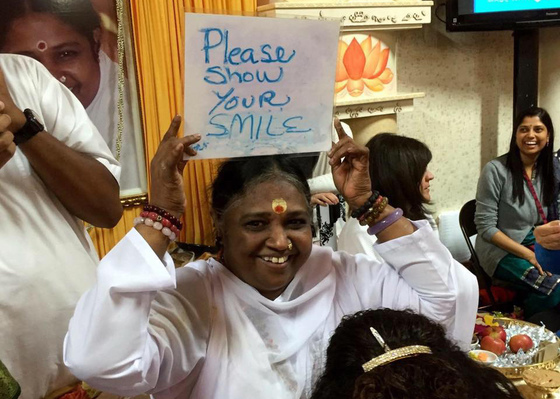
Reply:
x=465, y=118
x=549, y=75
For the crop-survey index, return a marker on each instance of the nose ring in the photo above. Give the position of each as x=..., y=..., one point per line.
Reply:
x=290, y=245
x=62, y=79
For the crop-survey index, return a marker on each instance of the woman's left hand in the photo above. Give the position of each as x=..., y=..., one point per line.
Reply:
x=350, y=169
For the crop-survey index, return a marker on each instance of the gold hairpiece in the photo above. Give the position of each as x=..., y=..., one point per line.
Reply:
x=392, y=355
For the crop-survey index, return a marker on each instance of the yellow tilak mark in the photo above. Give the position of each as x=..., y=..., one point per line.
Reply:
x=279, y=205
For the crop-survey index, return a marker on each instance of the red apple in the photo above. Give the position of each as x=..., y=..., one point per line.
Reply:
x=494, y=345
x=520, y=341
x=494, y=332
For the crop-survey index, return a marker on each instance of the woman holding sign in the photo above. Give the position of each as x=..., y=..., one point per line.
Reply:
x=255, y=321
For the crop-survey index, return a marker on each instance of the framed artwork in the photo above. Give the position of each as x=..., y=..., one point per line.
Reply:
x=366, y=66
x=85, y=44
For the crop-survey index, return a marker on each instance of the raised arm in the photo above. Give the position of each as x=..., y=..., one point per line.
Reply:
x=350, y=169
x=167, y=181
x=83, y=185
x=419, y=272
x=141, y=328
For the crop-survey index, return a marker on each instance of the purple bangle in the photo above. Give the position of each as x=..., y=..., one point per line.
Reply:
x=385, y=222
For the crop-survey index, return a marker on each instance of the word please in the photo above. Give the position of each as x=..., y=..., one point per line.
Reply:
x=217, y=41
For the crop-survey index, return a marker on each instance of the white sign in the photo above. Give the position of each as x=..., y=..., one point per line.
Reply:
x=259, y=86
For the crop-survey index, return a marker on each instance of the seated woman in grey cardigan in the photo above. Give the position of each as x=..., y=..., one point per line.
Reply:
x=516, y=192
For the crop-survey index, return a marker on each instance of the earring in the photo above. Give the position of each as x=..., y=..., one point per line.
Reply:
x=290, y=245
x=220, y=248
x=62, y=79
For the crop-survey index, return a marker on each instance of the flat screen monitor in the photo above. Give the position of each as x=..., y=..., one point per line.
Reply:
x=473, y=15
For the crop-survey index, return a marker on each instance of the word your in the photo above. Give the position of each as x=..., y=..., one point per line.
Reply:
x=230, y=102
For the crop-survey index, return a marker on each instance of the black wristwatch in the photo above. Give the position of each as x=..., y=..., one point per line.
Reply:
x=31, y=128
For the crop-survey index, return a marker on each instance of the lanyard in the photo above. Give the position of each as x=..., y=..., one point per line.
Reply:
x=537, y=202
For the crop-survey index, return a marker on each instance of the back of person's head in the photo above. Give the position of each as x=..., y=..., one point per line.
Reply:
x=235, y=177
x=447, y=373
x=78, y=14
x=544, y=165
x=397, y=165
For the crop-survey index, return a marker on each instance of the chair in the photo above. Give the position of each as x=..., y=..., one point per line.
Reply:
x=468, y=228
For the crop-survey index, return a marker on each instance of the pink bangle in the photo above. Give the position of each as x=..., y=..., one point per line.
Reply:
x=385, y=222
x=168, y=232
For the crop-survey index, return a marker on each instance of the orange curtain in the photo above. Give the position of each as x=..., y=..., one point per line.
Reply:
x=158, y=36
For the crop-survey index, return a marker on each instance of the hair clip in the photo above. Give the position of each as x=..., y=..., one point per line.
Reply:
x=392, y=355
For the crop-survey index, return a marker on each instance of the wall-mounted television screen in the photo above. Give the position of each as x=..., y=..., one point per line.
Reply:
x=473, y=15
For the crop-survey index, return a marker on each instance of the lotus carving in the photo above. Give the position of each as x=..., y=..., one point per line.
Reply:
x=361, y=65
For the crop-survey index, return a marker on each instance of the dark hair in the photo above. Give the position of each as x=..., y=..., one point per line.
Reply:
x=235, y=177
x=306, y=162
x=396, y=167
x=447, y=373
x=544, y=165
x=78, y=14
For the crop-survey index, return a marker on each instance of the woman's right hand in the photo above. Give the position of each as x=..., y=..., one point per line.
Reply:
x=167, y=167
x=324, y=199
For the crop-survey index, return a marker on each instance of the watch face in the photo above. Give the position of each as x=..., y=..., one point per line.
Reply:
x=30, y=114
x=33, y=120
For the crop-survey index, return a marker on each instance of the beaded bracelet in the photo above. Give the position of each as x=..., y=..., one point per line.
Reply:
x=163, y=213
x=160, y=219
x=363, y=209
x=167, y=231
x=375, y=205
x=375, y=212
x=385, y=222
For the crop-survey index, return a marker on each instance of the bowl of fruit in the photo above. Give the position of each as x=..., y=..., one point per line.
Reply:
x=517, y=344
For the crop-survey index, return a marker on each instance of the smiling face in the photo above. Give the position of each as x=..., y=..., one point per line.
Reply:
x=256, y=238
x=425, y=185
x=67, y=54
x=531, y=137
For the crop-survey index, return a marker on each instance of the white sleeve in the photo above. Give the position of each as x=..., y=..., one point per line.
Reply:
x=354, y=239
x=322, y=184
x=126, y=337
x=419, y=273
x=66, y=119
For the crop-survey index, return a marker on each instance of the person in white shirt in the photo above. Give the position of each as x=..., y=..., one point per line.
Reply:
x=65, y=37
x=61, y=173
x=255, y=321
